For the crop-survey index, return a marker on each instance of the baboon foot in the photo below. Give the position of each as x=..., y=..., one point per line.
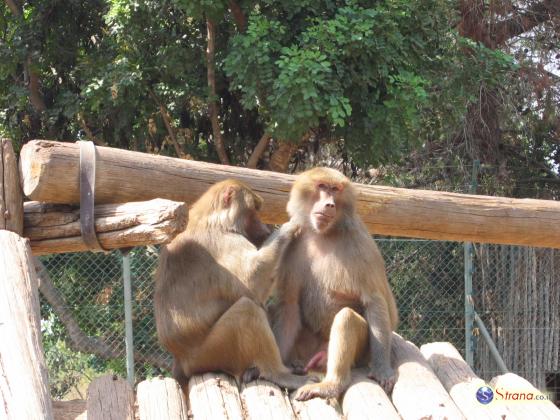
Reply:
x=325, y=389
x=250, y=374
x=386, y=379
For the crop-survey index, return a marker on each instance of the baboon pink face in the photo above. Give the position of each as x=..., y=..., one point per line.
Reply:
x=324, y=210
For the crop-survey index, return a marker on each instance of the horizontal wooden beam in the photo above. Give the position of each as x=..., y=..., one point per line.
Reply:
x=55, y=228
x=49, y=172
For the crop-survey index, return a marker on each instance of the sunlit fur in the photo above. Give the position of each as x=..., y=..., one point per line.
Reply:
x=214, y=211
x=304, y=193
x=332, y=291
x=211, y=285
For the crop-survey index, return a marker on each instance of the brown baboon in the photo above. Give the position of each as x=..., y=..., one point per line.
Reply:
x=211, y=284
x=334, y=306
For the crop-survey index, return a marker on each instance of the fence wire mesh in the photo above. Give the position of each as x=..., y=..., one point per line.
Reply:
x=515, y=291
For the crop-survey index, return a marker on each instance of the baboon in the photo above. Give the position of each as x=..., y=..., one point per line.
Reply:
x=334, y=307
x=211, y=284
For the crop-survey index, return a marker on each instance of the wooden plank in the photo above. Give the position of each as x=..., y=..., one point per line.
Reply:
x=110, y=398
x=11, y=195
x=24, y=390
x=461, y=382
x=510, y=384
x=161, y=399
x=264, y=400
x=365, y=400
x=55, y=228
x=70, y=410
x=418, y=393
x=50, y=173
x=214, y=396
x=317, y=408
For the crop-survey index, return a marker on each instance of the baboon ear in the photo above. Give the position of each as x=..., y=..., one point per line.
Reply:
x=227, y=195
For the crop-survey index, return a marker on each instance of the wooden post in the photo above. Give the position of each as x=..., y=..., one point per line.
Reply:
x=56, y=228
x=418, y=394
x=11, y=196
x=214, y=396
x=264, y=400
x=110, y=398
x=509, y=384
x=461, y=382
x=24, y=390
x=365, y=399
x=161, y=399
x=49, y=171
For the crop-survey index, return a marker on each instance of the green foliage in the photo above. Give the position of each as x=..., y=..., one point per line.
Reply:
x=379, y=74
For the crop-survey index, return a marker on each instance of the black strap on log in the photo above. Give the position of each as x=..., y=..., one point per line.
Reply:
x=87, y=195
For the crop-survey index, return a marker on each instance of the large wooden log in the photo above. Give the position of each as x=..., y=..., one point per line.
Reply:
x=365, y=400
x=49, y=172
x=317, y=408
x=418, y=394
x=521, y=397
x=55, y=228
x=461, y=382
x=214, y=396
x=161, y=399
x=264, y=400
x=11, y=196
x=110, y=398
x=24, y=391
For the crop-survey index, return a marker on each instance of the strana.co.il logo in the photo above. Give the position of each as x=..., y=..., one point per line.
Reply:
x=485, y=395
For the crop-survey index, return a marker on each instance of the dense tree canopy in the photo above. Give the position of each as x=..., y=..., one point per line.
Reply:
x=269, y=83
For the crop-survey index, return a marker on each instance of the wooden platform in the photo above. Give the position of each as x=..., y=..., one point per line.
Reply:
x=434, y=382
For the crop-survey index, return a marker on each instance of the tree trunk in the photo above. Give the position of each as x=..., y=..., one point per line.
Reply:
x=56, y=228
x=280, y=159
x=33, y=82
x=24, y=390
x=258, y=151
x=213, y=106
x=50, y=174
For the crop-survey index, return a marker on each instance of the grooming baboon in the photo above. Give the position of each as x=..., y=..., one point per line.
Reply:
x=335, y=308
x=211, y=284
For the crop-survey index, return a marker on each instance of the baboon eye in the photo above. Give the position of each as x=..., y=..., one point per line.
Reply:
x=322, y=186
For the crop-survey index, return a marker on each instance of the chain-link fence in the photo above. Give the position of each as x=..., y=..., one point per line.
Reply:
x=516, y=292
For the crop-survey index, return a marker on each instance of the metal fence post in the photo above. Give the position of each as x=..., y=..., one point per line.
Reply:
x=469, y=306
x=128, y=317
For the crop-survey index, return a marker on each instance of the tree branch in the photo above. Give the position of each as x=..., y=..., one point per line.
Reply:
x=79, y=340
x=213, y=107
x=526, y=20
x=87, y=130
x=258, y=151
x=168, y=123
